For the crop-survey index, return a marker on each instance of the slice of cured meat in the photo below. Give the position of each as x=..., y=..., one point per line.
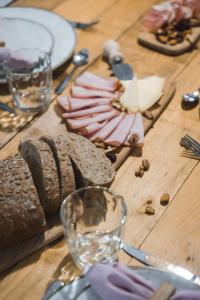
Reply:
x=79, y=123
x=93, y=127
x=85, y=112
x=119, y=135
x=78, y=103
x=64, y=102
x=80, y=92
x=92, y=81
x=107, y=129
x=136, y=132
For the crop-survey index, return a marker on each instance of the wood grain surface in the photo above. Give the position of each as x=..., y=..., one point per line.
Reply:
x=173, y=231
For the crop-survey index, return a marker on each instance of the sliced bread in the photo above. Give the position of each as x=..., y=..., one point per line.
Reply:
x=40, y=160
x=64, y=165
x=91, y=166
x=21, y=215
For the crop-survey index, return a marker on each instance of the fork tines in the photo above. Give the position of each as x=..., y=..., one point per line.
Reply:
x=190, y=144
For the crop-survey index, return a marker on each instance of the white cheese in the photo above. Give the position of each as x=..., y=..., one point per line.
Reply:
x=141, y=94
x=129, y=98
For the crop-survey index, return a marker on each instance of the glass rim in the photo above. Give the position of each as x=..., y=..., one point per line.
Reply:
x=97, y=187
x=46, y=54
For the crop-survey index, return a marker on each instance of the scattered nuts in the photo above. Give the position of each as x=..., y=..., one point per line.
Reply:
x=145, y=164
x=147, y=114
x=137, y=172
x=164, y=200
x=149, y=210
x=141, y=173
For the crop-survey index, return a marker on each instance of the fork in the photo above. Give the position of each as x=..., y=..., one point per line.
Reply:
x=190, y=144
x=81, y=25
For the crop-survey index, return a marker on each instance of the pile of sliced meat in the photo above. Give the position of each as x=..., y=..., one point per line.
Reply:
x=89, y=111
x=169, y=11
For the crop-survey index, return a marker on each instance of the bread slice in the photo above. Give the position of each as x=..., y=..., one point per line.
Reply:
x=40, y=160
x=21, y=214
x=91, y=166
x=64, y=165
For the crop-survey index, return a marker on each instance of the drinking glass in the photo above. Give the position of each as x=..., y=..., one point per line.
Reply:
x=93, y=219
x=29, y=76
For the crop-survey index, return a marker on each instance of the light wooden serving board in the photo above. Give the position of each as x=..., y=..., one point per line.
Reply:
x=149, y=40
x=10, y=256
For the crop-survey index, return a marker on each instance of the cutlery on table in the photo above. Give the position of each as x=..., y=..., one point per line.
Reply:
x=79, y=59
x=112, y=53
x=190, y=100
x=81, y=25
x=4, y=3
x=153, y=261
x=190, y=144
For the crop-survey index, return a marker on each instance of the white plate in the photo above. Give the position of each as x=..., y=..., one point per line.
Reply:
x=41, y=26
x=156, y=276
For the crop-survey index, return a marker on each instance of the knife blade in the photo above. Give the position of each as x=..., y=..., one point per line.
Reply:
x=153, y=261
x=5, y=3
x=113, y=55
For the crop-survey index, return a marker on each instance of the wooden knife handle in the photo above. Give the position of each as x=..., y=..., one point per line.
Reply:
x=112, y=52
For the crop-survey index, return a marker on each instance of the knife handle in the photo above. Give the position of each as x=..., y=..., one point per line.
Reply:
x=112, y=52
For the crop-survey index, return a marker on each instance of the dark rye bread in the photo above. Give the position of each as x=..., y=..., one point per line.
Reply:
x=40, y=160
x=64, y=165
x=91, y=166
x=21, y=215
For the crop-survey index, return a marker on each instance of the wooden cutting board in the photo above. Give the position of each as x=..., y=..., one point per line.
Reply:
x=12, y=255
x=149, y=40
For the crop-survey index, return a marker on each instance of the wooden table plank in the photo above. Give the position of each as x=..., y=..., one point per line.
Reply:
x=169, y=172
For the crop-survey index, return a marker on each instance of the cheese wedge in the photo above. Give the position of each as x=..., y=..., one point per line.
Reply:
x=129, y=99
x=141, y=94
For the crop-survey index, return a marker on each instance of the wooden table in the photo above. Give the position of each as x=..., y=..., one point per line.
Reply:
x=173, y=232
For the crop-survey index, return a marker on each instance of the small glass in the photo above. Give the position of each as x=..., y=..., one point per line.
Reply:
x=29, y=76
x=93, y=220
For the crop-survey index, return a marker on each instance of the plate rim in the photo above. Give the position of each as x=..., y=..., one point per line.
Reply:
x=53, y=14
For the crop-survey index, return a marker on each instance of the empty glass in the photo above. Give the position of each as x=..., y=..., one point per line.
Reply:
x=93, y=219
x=29, y=76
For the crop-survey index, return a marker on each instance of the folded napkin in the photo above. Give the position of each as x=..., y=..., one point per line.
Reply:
x=112, y=281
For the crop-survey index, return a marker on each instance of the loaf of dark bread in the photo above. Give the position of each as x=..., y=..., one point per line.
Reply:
x=21, y=215
x=91, y=166
x=64, y=165
x=40, y=160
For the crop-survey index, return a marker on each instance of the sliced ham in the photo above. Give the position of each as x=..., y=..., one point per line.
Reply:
x=79, y=123
x=80, y=92
x=92, y=81
x=136, y=131
x=86, y=112
x=91, y=128
x=64, y=102
x=78, y=103
x=119, y=135
x=107, y=129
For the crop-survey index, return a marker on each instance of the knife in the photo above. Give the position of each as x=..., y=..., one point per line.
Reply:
x=113, y=55
x=153, y=261
x=5, y=3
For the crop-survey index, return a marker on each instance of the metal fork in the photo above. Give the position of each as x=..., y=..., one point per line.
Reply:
x=80, y=25
x=190, y=144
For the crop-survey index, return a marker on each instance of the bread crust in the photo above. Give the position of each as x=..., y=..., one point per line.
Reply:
x=64, y=165
x=90, y=163
x=40, y=160
x=21, y=213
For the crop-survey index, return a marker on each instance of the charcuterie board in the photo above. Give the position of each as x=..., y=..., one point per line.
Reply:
x=149, y=40
x=12, y=255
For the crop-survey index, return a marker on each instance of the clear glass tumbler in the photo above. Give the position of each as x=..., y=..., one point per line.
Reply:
x=93, y=220
x=29, y=76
